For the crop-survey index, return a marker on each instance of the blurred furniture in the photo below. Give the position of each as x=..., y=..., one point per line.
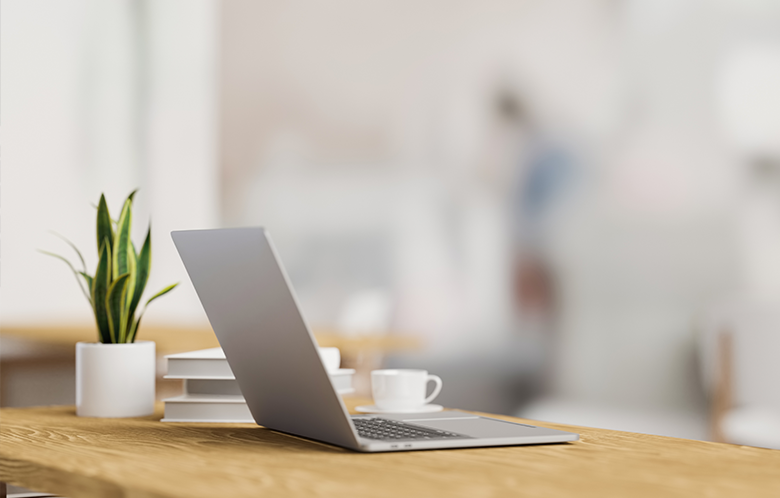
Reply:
x=168, y=339
x=50, y=449
x=722, y=393
x=739, y=344
x=180, y=339
x=38, y=362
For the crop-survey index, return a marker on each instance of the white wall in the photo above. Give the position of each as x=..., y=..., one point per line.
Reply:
x=103, y=96
x=377, y=122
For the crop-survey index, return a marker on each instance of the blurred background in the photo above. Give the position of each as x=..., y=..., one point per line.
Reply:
x=568, y=209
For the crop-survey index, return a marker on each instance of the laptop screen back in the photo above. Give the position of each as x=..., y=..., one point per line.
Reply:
x=253, y=311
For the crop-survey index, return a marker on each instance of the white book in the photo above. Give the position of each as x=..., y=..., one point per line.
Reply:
x=211, y=393
x=202, y=364
x=341, y=378
x=220, y=400
x=212, y=366
x=212, y=386
x=207, y=408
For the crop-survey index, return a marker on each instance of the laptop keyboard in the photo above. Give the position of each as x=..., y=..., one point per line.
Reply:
x=391, y=430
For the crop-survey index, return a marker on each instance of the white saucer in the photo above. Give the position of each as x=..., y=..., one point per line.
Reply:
x=421, y=409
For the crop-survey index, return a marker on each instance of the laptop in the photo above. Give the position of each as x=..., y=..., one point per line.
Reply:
x=253, y=310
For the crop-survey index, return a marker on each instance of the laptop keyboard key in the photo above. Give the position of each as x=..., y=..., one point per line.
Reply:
x=384, y=429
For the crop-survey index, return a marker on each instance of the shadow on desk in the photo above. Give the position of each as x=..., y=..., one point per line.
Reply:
x=173, y=437
x=235, y=438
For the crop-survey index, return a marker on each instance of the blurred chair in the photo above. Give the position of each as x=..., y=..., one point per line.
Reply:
x=739, y=343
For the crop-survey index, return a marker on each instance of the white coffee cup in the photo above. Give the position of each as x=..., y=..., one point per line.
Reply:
x=331, y=358
x=402, y=389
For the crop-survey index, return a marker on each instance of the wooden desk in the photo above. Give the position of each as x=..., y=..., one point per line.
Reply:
x=50, y=449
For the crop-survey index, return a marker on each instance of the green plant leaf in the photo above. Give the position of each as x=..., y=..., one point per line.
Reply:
x=75, y=273
x=132, y=263
x=123, y=248
x=71, y=244
x=143, y=267
x=128, y=314
x=162, y=292
x=137, y=323
x=134, y=328
x=127, y=204
x=100, y=284
x=88, y=280
x=115, y=303
x=105, y=231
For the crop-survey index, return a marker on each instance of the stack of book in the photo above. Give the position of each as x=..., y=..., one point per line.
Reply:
x=211, y=393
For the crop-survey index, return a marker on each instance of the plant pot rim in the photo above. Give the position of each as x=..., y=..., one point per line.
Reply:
x=109, y=344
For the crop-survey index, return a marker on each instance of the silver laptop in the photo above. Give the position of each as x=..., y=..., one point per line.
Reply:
x=254, y=313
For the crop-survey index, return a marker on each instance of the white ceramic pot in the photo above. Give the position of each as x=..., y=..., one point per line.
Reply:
x=115, y=380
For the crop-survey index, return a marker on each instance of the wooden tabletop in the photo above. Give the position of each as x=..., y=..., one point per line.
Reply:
x=50, y=449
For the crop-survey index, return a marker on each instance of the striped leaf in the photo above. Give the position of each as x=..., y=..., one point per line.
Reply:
x=162, y=292
x=115, y=304
x=100, y=285
x=88, y=279
x=131, y=270
x=72, y=245
x=105, y=231
x=129, y=315
x=135, y=326
x=142, y=269
x=75, y=273
x=123, y=248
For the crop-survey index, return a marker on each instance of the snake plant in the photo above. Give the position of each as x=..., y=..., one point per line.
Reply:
x=114, y=290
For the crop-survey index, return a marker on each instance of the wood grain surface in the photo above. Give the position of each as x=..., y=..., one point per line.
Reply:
x=50, y=449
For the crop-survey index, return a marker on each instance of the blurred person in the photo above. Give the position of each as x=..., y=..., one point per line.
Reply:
x=498, y=354
x=544, y=168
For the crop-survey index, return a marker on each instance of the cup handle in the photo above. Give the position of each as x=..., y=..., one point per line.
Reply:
x=436, y=390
